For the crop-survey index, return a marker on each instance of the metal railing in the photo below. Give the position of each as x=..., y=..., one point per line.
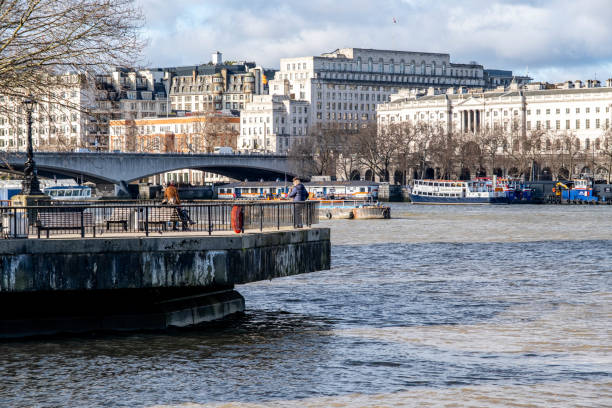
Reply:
x=111, y=219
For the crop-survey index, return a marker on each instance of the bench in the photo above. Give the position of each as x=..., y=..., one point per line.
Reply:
x=162, y=216
x=119, y=216
x=64, y=220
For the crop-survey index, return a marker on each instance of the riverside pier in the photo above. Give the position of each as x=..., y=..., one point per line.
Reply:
x=141, y=275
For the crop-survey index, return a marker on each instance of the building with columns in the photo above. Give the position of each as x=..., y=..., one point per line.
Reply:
x=582, y=110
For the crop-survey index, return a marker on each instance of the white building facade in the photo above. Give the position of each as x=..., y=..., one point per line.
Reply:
x=59, y=121
x=273, y=123
x=346, y=85
x=583, y=110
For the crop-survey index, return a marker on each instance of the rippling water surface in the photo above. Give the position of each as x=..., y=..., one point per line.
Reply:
x=439, y=306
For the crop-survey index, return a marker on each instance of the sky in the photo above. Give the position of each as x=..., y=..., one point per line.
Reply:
x=550, y=40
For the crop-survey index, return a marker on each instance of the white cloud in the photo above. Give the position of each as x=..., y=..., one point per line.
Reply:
x=556, y=38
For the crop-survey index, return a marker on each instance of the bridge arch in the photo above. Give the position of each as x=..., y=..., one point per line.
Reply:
x=120, y=168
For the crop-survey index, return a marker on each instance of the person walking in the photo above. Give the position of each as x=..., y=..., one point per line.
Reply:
x=298, y=193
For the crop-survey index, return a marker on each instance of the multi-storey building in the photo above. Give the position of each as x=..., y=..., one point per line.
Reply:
x=184, y=134
x=345, y=86
x=584, y=110
x=126, y=94
x=275, y=122
x=215, y=86
x=546, y=113
x=75, y=113
x=499, y=77
x=59, y=121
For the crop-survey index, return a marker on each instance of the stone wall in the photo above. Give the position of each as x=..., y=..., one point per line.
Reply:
x=162, y=262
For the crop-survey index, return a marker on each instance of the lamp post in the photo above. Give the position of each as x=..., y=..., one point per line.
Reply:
x=30, y=185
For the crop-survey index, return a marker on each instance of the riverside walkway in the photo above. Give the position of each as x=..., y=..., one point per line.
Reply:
x=137, y=273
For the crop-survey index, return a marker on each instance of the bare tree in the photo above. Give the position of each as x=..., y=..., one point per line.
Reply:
x=317, y=153
x=606, y=151
x=347, y=157
x=209, y=129
x=567, y=153
x=40, y=39
x=405, y=135
x=491, y=142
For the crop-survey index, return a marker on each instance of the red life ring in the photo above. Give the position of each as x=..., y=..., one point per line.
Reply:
x=237, y=219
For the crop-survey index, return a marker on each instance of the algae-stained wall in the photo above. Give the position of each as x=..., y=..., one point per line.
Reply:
x=160, y=262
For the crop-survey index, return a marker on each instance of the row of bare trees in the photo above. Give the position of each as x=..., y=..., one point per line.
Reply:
x=431, y=150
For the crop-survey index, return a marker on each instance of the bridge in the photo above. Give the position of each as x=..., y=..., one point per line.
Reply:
x=122, y=168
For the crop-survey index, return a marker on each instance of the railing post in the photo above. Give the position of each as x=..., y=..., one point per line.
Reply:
x=82, y=223
x=261, y=214
x=210, y=224
x=146, y=208
x=14, y=222
x=278, y=216
x=242, y=216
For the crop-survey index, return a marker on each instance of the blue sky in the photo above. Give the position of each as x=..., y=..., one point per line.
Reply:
x=554, y=40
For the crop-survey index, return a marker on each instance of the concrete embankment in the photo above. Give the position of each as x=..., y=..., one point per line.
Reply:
x=50, y=286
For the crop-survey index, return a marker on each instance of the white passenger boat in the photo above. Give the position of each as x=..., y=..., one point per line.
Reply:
x=457, y=192
x=68, y=193
x=331, y=190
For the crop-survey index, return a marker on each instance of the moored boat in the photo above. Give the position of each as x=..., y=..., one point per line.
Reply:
x=457, y=192
x=371, y=211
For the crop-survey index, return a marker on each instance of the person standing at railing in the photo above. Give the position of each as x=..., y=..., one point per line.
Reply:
x=298, y=193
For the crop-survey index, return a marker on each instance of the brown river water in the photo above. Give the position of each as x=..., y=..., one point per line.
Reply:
x=440, y=306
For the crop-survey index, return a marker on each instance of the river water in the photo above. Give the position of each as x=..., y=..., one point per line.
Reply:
x=489, y=306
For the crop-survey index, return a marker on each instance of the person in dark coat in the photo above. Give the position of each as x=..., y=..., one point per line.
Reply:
x=298, y=193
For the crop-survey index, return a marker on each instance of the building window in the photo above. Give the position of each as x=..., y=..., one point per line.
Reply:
x=578, y=122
